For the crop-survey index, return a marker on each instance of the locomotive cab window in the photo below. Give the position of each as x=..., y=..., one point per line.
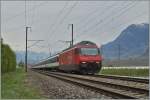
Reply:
x=89, y=51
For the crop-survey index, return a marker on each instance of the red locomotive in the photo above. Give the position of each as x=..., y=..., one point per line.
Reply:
x=83, y=57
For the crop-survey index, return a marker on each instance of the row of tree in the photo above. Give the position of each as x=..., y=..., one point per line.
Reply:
x=8, y=58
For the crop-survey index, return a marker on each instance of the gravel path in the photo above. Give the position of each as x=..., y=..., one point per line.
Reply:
x=53, y=88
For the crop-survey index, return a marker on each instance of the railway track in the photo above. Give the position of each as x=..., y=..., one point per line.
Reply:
x=116, y=88
x=125, y=78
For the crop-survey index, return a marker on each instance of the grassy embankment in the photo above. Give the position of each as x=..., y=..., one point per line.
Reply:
x=126, y=72
x=13, y=86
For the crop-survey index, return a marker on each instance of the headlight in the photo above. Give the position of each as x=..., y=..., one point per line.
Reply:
x=83, y=62
x=97, y=62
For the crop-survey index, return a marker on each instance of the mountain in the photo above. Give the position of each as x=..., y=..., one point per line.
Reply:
x=33, y=57
x=133, y=42
x=145, y=55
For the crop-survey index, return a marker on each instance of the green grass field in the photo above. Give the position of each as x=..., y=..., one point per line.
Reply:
x=14, y=87
x=126, y=72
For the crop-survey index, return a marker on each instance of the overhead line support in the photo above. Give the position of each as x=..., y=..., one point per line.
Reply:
x=26, y=48
x=72, y=34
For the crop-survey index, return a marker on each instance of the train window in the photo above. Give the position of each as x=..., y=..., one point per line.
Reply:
x=89, y=51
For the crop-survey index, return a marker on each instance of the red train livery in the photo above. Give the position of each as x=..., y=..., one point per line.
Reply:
x=83, y=57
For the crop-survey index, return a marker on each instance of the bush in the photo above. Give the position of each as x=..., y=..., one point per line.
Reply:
x=8, y=59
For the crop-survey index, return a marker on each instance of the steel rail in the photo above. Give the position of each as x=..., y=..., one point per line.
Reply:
x=102, y=87
x=127, y=87
x=126, y=78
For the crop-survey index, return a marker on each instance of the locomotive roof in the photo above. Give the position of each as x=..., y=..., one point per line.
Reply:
x=85, y=42
x=81, y=43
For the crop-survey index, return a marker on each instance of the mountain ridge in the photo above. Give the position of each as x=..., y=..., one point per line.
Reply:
x=131, y=42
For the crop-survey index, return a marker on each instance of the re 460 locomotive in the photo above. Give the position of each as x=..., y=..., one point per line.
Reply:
x=83, y=57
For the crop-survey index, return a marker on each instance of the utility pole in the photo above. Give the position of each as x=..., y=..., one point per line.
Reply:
x=119, y=54
x=26, y=48
x=101, y=52
x=72, y=34
x=50, y=54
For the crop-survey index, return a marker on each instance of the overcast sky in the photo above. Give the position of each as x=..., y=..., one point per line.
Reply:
x=97, y=21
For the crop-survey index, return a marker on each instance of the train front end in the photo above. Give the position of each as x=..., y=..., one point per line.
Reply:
x=89, y=59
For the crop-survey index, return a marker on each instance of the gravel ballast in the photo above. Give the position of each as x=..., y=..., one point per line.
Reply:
x=53, y=88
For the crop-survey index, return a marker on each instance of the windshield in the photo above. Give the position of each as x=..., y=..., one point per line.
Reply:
x=89, y=51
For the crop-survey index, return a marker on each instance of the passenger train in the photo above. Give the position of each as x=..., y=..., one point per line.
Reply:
x=83, y=57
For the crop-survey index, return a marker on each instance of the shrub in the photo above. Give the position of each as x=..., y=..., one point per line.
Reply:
x=8, y=59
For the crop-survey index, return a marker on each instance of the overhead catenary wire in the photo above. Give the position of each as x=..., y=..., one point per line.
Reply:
x=62, y=20
x=25, y=16
x=34, y=10
x=65, y=16
x=70, y=10
x=103, y=18
x=88, y=16
x=22, y=13
x=135, y=18
x=33, y=44
x=36, y=41
x=123, y=10
x=124, y=23
x=33, y=21
x=93, y=13
x=127, y=5
x=32, y=17
x=46, y=46
x=57, y=16
x=129, y=20
x=121, y=13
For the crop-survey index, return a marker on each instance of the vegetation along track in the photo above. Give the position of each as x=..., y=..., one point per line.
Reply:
x=115, y=88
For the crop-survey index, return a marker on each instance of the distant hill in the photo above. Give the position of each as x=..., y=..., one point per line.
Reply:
x=133, y=43
x=33, y=57
x=145, y=55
